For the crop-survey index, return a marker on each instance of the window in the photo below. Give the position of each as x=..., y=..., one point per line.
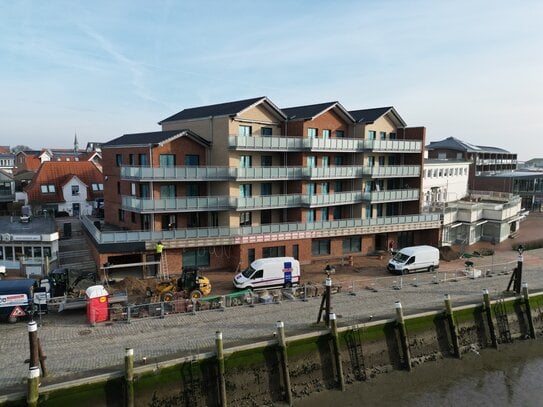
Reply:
x=324, y=214
x=310, y=215
x=311, y=188
x=336, y=212
x=338, y=186
x=196, y=257
x=381, y=160
x=458, y=156
x=266, y=189
x=245, y=161
x=48, y=189
x=97, y=187
x=338, y=160
x=326, y=134
x=311, y=161
x=245, y=219
x=251, y=256
x=167, y=191
x=325, y=188
x=120, y=214
x=340, y=134
x=119, y=159
x=320, y=247
x=245, y=190
x=266, y=161
x=75, y=190
x=119, y=188
x=392, y=136
x=266, y=131
x=311, y=133
x=193, y=220
x=192, y=160
x=266, y=217
x=142, y=159
x=325, y=161
x=246, y=131
x=167, y=160
x=133, y=217
x=296, y=251
x=441, y=156
x=383, y=135
x=192, y=189
x=371, y=161
x=352, y=244
x=275, y=251
x=144, y=191
x=131, y=159
x=371, y=135
x=133, y=189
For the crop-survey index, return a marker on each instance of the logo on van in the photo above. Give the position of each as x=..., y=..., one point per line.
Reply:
x=287, y=267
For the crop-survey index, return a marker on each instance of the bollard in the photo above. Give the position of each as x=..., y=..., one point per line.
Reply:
x=162, y=309
x=193, y=306
x=403, y=334
x=328, y=286
x=42, y=357
x=452, y=325
x=128, y=312
x=33, y=342
x=33, y=387
x=129, y=376
x=337, y=353
x=220, y=362
x=284, y=361
x=490, y=320
x=526, y=299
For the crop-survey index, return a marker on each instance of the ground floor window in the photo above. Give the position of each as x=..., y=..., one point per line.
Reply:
x=320, y=247
x=352, y=244
x=275, y=251
x=196, y=258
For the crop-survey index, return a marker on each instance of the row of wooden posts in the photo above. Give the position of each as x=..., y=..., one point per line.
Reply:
x=37, y=356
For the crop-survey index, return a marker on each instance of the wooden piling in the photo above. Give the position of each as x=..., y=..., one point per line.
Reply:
x=33, y=383
x=337, y=352
x=452, y=325
x=328, y=284
x=42, y=357
x=489, y=318
x=129, y=377
x=33, y=342
x=528, y=308
x=284, y=361
x=221, y=368
x=403, y=335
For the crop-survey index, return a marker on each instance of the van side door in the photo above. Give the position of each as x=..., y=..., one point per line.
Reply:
x=257, y=277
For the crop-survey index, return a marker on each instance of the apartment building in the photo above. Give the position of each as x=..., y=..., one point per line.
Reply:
x=444, y=181
x=222, y=185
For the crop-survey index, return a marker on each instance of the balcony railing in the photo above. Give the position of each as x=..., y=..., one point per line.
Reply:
x=282, y=143
x=199, y=237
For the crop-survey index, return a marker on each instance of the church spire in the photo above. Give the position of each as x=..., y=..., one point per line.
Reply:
x=76, y=144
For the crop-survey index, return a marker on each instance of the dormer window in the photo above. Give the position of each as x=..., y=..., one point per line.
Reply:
x=48, y=189
x=97, y=187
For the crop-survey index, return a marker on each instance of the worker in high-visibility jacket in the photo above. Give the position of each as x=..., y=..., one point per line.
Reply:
x=158, y=248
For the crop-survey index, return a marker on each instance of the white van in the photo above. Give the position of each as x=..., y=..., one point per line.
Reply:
x=270, y=272
x=414, y=258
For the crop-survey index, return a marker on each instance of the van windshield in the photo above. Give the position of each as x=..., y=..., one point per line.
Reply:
x=400, y=257
x=248, y=273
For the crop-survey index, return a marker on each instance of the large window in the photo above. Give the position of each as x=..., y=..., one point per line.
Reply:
x=340, y=134
x=144, y=191
x=266, y=131
x=371, y=135
x=245, y=190
x=324, y=214
x=383, y=135
x=245, y=131
x=275, y=251
x=245, y=219
x=167, y=160
x=192, y=160
x=311, y=188
x=266, y=189
x=325, y=188
x=142, y=159
x=338, y=160
x=196, y=257
x=266, y=217
x=131, y=159
x=192, y=189
x=320, y=247
x=310, y=215
x=245, y=161
x=119, y=159
x=352, y=244
x=167, y=191
x=266, y=161
x=311, y=161
x=311, y=133
x=326, y=134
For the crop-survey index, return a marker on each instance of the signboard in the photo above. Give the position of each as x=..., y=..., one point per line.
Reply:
x=287, y=272
x=12, y=300
x=27, y=237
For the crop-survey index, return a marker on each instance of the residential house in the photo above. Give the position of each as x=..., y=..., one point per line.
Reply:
x=61, y=186
x=222, y=185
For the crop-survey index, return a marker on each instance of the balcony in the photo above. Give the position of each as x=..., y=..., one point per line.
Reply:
x=177, y=173
x=340, y=198
x=395, y=195
x=392, y=171
x=277, y=232
x=285, y=144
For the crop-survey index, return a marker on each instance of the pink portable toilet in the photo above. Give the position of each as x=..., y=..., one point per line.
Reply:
x=97, y=304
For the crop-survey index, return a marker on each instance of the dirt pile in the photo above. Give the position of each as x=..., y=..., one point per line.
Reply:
x=133, y=286
x=447, y=253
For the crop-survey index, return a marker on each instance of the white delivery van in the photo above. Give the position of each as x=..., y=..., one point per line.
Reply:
x=414, y=258
x=270, y=272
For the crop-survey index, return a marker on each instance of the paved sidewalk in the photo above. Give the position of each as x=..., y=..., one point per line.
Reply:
x=73, y=348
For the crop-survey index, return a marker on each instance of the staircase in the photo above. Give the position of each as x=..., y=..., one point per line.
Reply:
x=74, y=252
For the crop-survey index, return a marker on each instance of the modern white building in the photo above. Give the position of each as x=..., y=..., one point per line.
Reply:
x=444, y=181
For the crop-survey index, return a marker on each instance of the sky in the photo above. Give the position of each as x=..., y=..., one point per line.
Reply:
x=100, y=69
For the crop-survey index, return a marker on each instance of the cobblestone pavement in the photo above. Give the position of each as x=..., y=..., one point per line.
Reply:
x=73, y=347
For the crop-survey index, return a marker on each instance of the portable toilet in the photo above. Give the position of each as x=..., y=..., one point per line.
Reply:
x=97, y=304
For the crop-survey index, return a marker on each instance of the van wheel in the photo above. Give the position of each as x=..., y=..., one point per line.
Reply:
x=288, y=285
x=405, y=271
x=431, y=269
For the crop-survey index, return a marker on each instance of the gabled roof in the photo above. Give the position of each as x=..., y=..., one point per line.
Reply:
x=57, y=173
x=452, y=143
x=153, y=138
x=221, y=109
x=367, y=116
x=309, y=112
